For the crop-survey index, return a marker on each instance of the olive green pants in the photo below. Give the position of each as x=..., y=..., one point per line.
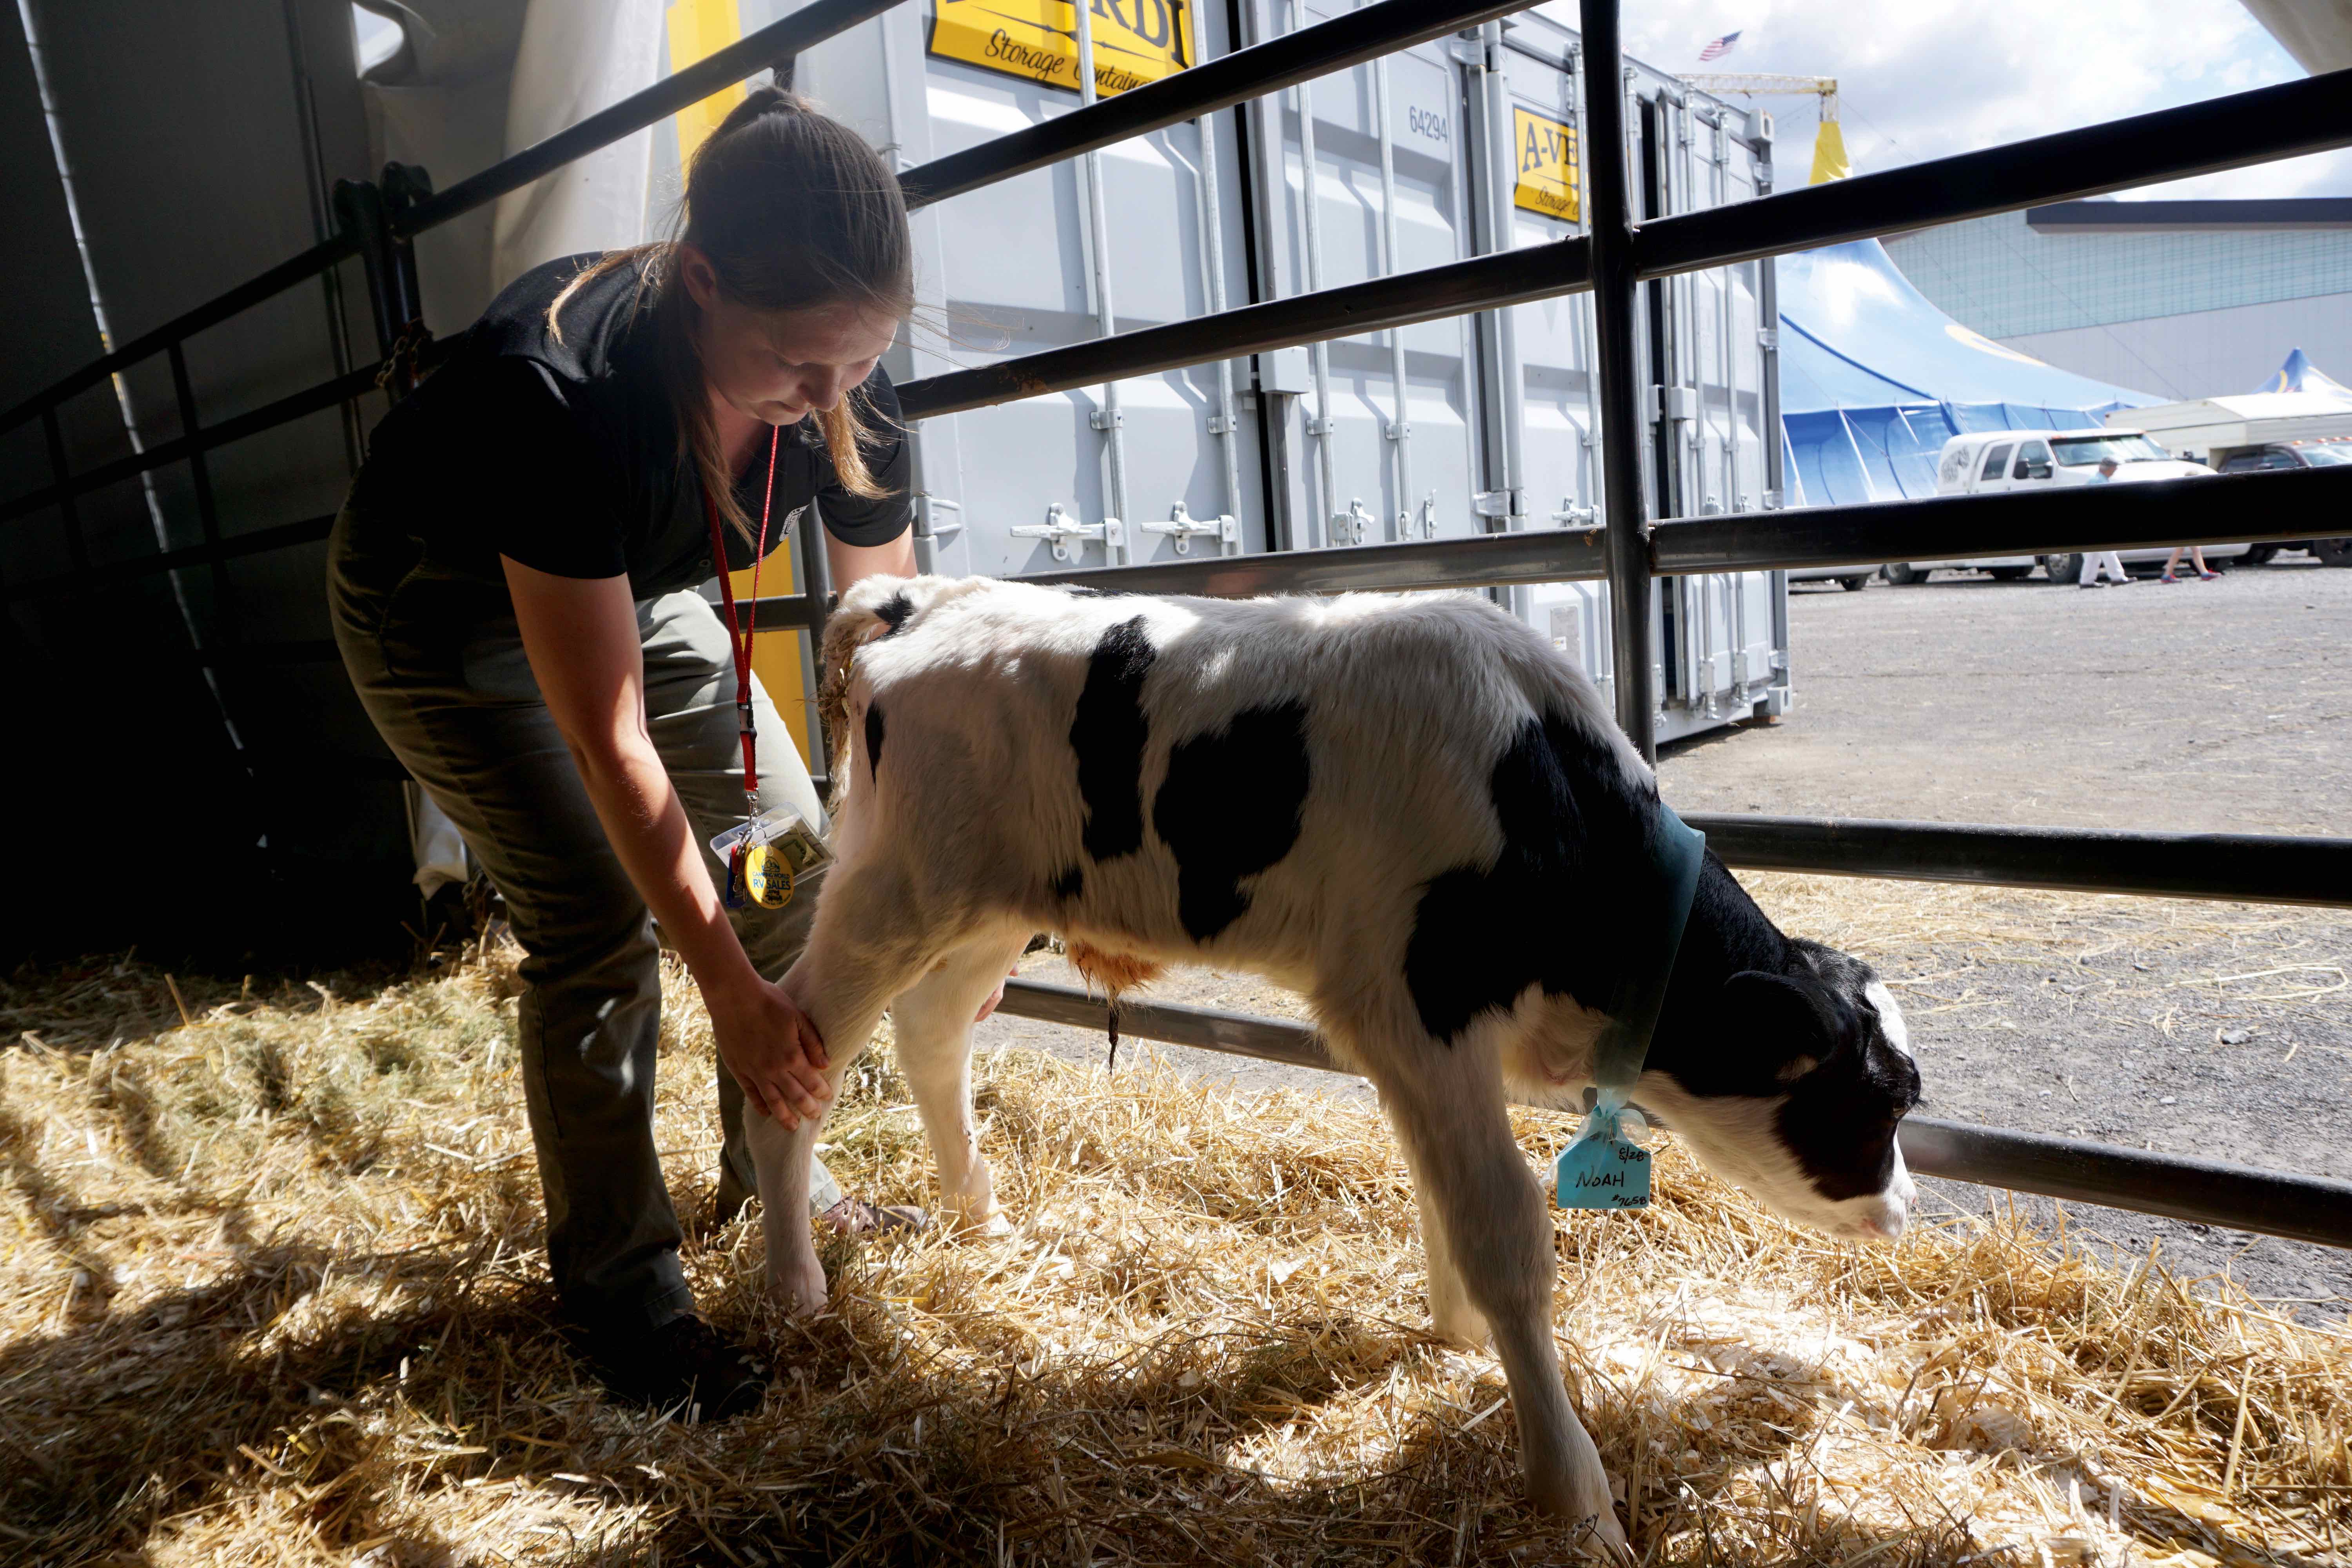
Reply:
x=439, y=665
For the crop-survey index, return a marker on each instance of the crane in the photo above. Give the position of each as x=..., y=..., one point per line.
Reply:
x=1829, y=162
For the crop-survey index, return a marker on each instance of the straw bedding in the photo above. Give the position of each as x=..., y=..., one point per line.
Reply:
x=273, y=1293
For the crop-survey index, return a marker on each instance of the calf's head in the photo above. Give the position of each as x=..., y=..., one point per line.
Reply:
x=1792, y=1090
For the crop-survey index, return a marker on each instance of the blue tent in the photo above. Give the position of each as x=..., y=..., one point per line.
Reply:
x=1874, y=379
x=2299, y=374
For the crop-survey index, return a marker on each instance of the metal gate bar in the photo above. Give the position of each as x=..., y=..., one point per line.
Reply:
x=2207, y=138
x=2214, y=511
x=1504, y=278
x=2204, y=1192
x=1615, y=314
x=187, y=324
x=2254, y=868
x=2226, y=132
x=2200, y=138
x=260, y=541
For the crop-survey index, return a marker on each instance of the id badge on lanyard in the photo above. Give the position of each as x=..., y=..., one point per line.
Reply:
x=771, y=849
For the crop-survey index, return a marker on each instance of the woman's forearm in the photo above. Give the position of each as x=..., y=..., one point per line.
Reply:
x=648, y=829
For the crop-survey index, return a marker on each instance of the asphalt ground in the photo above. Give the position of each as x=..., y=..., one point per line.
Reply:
x=2220, y=1031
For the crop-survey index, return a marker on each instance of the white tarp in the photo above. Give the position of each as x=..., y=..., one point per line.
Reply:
x=482, y=78
x=2317, y=33
x=577, y=57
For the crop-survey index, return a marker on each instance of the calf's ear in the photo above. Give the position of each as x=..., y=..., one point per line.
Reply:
x=1790, y=1016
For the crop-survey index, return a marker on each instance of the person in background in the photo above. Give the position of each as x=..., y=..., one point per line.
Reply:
x=514, y=582
x=2096, y=560
x=2197, y=554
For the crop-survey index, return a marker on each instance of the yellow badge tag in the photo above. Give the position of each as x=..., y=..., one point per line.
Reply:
x=768, y=876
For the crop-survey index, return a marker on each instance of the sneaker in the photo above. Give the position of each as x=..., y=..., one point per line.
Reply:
x=685, y=1366
x=2168, y=577
x=2210, y=576
x=2094, y=583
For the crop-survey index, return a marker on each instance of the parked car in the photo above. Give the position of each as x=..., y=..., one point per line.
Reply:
x=1984, y=462
x=1852, y=580
x=2324, y=453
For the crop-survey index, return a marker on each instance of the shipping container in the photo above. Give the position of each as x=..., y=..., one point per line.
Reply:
x=1449, y=428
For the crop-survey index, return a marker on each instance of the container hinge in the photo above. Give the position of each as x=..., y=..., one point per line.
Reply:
x=1108, y=418
x=1768, y=337
x=1218, y=425
x=1183, y=525
x=1466, y=48
x=1495, y=503
x=929, y=524
x=1066, y=533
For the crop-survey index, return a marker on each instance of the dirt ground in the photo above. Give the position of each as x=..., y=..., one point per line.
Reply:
x=2220, y=1031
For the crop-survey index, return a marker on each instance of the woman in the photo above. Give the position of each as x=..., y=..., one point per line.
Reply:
x=513, y=584
x=2172, y=564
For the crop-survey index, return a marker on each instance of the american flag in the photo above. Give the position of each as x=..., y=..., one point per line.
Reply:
x=1717, y=49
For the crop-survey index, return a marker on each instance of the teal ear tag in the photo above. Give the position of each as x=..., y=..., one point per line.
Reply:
x=1603, y=1169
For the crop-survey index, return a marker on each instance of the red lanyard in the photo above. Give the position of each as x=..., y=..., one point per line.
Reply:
x=739, y=637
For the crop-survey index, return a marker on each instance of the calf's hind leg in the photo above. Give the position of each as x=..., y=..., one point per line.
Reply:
x=932, y=1025
x=1445, y=1102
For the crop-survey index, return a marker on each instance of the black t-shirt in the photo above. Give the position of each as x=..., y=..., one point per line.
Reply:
x=565, y=455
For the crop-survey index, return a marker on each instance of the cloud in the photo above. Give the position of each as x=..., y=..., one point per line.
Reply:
x=1926, y=78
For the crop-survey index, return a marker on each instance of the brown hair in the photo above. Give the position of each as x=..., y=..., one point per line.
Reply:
x=795, y=212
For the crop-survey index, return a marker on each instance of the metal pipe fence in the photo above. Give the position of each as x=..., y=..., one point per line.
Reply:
x=379, y=223
x=2204, y=1192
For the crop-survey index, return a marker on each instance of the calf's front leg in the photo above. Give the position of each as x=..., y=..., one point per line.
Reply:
x=1446, y=1103
x=869, y=944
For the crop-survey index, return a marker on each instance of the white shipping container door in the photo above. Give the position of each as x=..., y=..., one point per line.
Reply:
x=1389, y=479
x=1718, y=632
x=1539, y=183
x=1010, y=269
x=1495, y=426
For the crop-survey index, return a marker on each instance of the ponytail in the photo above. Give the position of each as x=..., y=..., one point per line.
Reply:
x=795, y=212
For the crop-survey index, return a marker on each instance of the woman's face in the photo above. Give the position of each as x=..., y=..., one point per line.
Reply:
x=776, y=365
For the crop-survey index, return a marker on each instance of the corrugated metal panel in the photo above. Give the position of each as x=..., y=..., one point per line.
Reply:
x=1494, y=428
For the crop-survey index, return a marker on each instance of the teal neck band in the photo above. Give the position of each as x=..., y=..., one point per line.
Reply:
x=1676, y=852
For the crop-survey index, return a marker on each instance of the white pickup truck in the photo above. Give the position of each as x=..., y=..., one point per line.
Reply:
x=1986, y=462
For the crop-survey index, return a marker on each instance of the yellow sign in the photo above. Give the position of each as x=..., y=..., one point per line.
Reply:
x=1549, y=182
x=697, y=28
x=1136, y=41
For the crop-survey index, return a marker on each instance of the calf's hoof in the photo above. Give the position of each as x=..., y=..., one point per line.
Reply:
x=1464, y=1326
x=989, y=1227
x=800, y=1289
x=1590, y=1507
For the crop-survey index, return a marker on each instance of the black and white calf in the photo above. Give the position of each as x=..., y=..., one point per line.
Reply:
x=1415, y=811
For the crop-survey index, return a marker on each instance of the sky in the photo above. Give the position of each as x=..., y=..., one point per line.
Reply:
x=1926, y=78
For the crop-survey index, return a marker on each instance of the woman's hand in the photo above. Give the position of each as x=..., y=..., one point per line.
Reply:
x=772, y=1048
